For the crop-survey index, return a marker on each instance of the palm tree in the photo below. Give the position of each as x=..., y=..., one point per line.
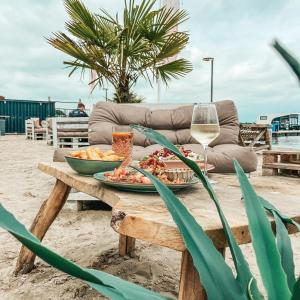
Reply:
x=122, y=52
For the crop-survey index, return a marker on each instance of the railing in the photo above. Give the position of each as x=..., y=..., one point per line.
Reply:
x=64, y=112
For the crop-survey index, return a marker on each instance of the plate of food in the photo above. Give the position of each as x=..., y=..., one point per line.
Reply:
x=166, y=159
x=92, y=160
x=133, y=181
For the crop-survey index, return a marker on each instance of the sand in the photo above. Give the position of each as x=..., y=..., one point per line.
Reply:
x=84, y=237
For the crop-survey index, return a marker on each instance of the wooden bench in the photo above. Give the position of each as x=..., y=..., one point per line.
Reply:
x=257, y=136
x=33, y=129
x=281, y=162
x=65, y=132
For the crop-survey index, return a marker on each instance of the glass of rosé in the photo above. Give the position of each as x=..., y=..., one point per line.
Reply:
x=122, y=143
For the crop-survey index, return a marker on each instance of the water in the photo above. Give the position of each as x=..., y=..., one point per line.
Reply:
x=292, y=142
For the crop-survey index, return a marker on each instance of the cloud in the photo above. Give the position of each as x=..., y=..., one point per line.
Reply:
x=236, y=33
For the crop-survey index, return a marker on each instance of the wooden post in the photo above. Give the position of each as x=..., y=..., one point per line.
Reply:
x=267, y=159
x=268, y=137
x=54, y=133
x=126, y=245
x=190, y=287
x=44, y=218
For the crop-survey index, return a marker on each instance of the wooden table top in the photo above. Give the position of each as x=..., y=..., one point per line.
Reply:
x=145, y=217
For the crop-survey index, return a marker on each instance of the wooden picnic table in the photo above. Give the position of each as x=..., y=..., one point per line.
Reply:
x=145, y=217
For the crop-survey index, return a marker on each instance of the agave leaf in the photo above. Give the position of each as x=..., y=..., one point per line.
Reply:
x=284, y=247
x=271, y=208
x=283, y=240
x=296, y=291
x=108, y=285
x=244, y=274
x=215, y=275
x=292, y=61
x=267, y=255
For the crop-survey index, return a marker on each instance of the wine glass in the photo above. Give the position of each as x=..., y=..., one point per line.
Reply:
x=205, y=126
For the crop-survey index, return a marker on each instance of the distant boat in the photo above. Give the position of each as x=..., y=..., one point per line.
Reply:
x=281, y=122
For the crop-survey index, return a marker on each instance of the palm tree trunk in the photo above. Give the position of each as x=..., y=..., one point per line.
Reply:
x=123, y=91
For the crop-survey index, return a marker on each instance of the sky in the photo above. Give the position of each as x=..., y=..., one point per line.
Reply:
x=238, y=34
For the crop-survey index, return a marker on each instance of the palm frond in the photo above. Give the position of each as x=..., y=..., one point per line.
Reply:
x=120, y=53
x=175, y=69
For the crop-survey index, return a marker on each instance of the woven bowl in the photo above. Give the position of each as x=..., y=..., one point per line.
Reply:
x=183, y=174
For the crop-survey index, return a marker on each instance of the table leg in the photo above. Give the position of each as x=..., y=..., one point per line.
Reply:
x=190, y=287
x=126, y=245
x=44, y=218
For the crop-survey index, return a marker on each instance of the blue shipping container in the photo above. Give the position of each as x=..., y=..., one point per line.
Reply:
x=20, y=110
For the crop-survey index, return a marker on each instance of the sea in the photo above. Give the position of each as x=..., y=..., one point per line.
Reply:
x=288, y=142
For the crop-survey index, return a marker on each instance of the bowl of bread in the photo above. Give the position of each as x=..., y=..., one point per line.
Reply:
x=93, y=160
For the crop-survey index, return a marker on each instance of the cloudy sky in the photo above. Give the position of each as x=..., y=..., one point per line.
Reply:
x=236, y=33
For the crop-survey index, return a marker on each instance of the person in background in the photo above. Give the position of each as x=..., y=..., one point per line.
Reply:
x=79, y=112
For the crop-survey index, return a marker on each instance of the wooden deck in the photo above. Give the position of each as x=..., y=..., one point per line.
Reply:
x=286, y=133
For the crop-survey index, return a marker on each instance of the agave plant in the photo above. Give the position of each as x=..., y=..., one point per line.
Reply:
x=274, y=256
x=121, y=52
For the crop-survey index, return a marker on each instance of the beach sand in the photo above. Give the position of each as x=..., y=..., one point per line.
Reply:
x=84, y=237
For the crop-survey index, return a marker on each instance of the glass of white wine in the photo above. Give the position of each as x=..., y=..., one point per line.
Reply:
x=205, y=126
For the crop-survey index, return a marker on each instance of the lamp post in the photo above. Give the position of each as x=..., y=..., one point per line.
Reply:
x=211, y=59
x=106, y=89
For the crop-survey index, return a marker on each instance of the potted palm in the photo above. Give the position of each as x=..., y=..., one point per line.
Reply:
x=121, y=52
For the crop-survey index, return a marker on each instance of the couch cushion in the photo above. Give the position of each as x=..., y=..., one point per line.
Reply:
x=228, y=119
x=173, y=123
x=222, y=157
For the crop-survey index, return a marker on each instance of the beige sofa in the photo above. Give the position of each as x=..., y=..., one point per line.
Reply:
x=174, y=123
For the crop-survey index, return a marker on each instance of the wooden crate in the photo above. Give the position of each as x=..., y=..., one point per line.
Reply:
x=257, y=136
x=33, y=131
x=64, y=132
x=285, y=162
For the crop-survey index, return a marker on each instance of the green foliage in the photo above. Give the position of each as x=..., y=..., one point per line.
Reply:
x=123, y=51
x=130, y=98
x=263, y=241
x=291, y=60
x=244, y=275
x=108, y=285
x=59, y=113
x=207, y=260
x=285, y=250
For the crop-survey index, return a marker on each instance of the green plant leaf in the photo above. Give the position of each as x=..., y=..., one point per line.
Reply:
x=244, y=274
x=284, y=247
x=292, y=61
x=271, y=208
x=108, y=285
x=267, y=255
x=296, y=291
x=283, y=240
x=216, y=277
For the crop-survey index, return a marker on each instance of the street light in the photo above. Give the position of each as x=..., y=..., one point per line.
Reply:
x=211, y=59
x=105, y=89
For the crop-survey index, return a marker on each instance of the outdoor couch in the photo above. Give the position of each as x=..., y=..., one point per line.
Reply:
x=174, y=123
